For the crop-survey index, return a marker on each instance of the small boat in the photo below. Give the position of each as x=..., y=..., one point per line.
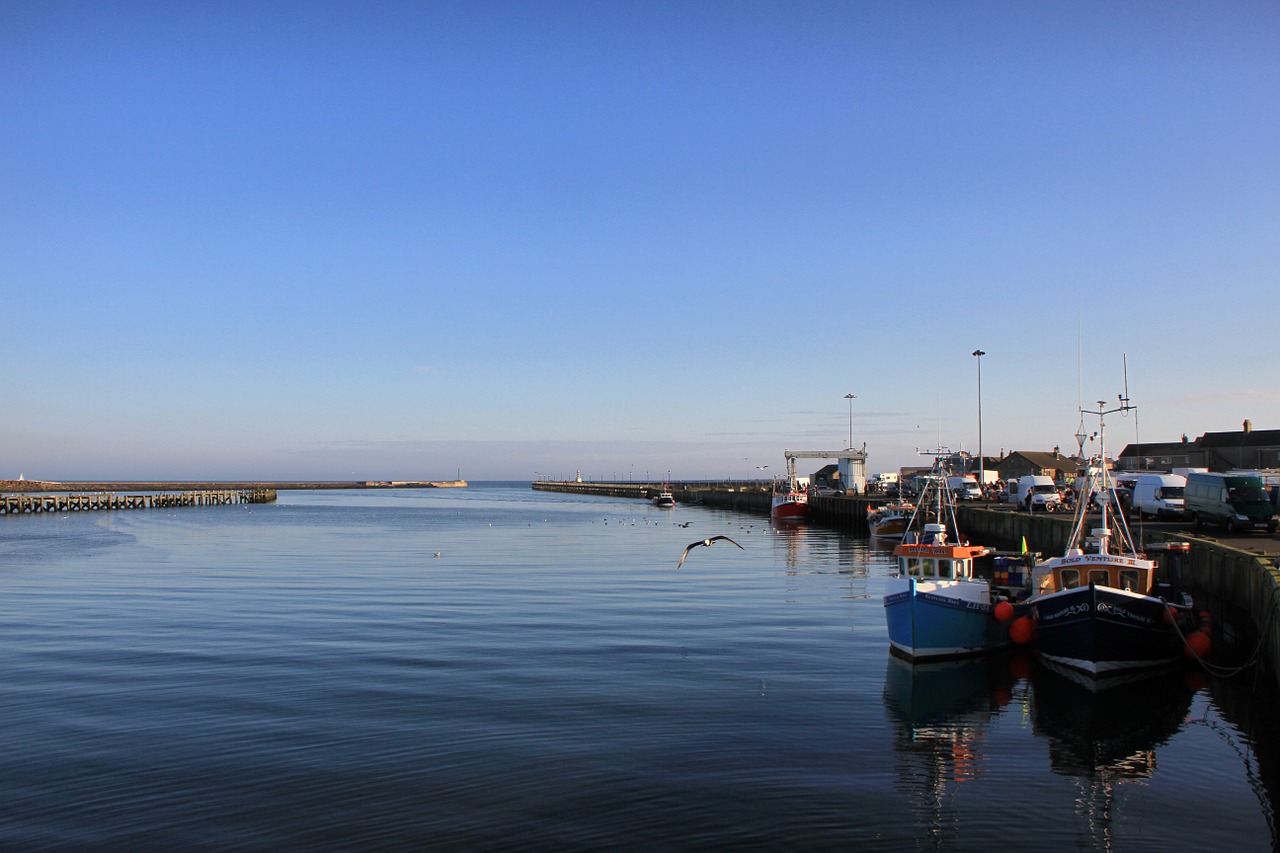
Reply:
x=789, y=502
x=664, y=499
x=891, y=520
x=1100, y=608
x=936, y=607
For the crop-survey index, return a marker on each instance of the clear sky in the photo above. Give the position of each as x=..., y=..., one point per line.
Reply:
x=403, y=240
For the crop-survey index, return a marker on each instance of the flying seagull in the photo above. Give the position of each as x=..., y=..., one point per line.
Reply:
x=707, y=542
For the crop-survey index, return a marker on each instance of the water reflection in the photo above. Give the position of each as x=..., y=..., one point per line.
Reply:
x=1106, y=735
x=805, y=550
x=941, y=712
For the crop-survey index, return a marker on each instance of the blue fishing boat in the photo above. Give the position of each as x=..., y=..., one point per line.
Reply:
x=936, y=607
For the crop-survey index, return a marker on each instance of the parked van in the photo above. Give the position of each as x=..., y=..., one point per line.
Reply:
x=1040, y=490
x=1236, y=501
x=965, y=488
x=1159, y=495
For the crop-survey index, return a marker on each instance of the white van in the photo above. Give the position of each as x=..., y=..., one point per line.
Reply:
x=964, y=488
x=1043, y=493
x=1160, y=495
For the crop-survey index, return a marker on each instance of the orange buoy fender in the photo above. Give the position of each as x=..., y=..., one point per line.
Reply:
x=1198, y=644
x=1003, y=611
x=1022, y=630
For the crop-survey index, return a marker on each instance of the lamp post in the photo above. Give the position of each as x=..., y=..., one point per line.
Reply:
x=850, y=398
x=982, y=460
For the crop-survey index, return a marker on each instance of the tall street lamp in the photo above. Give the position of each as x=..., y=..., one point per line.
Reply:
x=850, y=398
x=982, y=460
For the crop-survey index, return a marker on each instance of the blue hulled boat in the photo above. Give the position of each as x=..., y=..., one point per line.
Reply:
x=936, y=608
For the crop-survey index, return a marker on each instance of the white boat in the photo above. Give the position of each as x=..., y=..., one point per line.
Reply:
x=664, y=499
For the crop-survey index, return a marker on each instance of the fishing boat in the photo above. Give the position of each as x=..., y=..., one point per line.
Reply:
x=891, y=520
x=789, y=502
x=664, y=499
x=1100, y=608
x=936, y=607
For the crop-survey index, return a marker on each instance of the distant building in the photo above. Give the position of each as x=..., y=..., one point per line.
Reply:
x=987, y=466
x=1218, y=451
x=1020, y=463
x=1158, y=456
x=1245, y=448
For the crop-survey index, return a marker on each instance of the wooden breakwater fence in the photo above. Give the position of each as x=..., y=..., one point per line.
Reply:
x=24, y=504
x=1240, y=587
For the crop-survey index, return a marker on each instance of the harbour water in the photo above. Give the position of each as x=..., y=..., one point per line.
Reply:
x=498, y=668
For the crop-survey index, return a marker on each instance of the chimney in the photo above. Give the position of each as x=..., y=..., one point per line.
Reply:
x=1248, y=426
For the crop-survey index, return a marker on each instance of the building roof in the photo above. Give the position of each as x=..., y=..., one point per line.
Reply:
x=1041, y=459
x=1157, y=448
x=1240, y=438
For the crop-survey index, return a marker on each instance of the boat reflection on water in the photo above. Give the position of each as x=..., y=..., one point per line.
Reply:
x=1105, y=734
x=792, y=538
x=941, y=712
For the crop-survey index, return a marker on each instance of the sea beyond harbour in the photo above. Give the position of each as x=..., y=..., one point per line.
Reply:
x=494, y=668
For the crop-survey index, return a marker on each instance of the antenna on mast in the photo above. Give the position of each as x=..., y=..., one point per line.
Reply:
x=1125, y=407
x=1124, y=398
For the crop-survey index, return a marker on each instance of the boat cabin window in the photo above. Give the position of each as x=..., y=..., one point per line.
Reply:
x=928, y=567
x=913, y=567
x=1100, y=576
x=1070, y=578
x=1130, y=580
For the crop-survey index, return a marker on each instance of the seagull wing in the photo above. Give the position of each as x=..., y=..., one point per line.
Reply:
x=687, y=549
x=725, y=538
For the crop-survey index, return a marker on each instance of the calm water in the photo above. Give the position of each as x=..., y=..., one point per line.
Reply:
x=310, y=674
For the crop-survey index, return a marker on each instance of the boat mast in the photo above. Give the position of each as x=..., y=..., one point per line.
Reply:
x=941, y=495
x=1107, y=485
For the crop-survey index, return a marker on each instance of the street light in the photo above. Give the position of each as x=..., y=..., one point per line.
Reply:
x=982, y=460
x=850, y=398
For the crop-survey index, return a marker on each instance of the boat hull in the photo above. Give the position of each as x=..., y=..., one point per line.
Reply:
x=1103, y=631
x=942, y=619
x=789, y=508
x=891, y=528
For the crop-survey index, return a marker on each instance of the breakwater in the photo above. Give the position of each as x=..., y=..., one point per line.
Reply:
x=24, y=503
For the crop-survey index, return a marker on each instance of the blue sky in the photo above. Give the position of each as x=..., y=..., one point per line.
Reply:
x=402, y=240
